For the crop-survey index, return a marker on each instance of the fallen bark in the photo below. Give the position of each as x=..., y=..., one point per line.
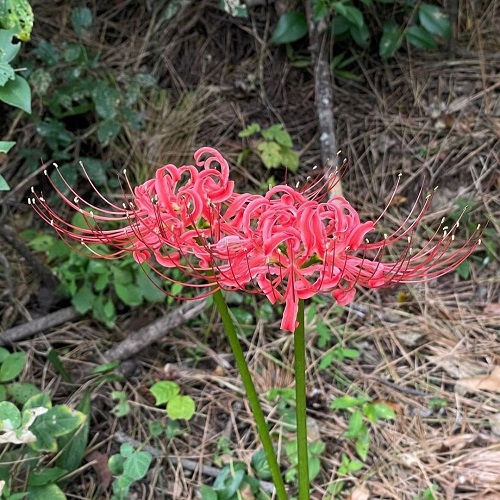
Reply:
x=144, y=337
x=31, y=328
x=323, y=95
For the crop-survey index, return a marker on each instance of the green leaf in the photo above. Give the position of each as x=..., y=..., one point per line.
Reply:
x=3, y=393
x=345, y=402
x=261, y=465
x=340, y=26
x=363, y=443
x=22, y=391
x=354, y=16
x=391, y=40
x=420, y=38
x=155, y=428
x=242, y=316
x=383, y=411
x=129, y=294
x=107, y=131
x=41, y=399
x=73, y=445
x=270, y=154
x=148, y=290
x=122, y=407
x=55, y=132
x=4, y=354
x=105, y=368
x=314, y=467
x=289, y=159
x=10, y=416
x=228, y=482
x=164, y=391
x=83, y=300
x=355, y=425
x=96, y=170
x=253, y=128
x=40, y=80
x=235, y=8
x=44, y=476
x=81, y=19
x=58, y=421
x=12, y=366
x=291, y=26
x=18, y=17
x=208, y=493
x=278, y=134
x=361, y=35
x=48, y=492
x=106, y=100
x=434, y=20
x=181, y=407
x=17, y=93
x=6, y=146
x=53, y=357
x=126, y=450
x=6, y=73
x=463, y=270
x=8, y=50
x=137, y=465
x=115, y=464
x=340, y=7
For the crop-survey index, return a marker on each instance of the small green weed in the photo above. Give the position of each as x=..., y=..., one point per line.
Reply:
x=424, y=24
x=178, y=407
x=34, y=431
x=97, y=285
x=234, y=483
x=128, y=466
x=273, y=146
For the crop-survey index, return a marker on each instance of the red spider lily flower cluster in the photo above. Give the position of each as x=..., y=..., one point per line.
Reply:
x=288, y=244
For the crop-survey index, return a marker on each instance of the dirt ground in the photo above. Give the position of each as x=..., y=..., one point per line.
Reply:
x=431, y=351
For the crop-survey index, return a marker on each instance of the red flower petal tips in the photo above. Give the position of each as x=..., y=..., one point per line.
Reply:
x=287, y=244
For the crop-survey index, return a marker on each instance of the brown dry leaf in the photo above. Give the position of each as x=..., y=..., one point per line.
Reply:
x=493, y=309
x=101, y=468
x=457, y=367
x=495, y=423
x=359, y=493
x=490, y=382
x=481, y=468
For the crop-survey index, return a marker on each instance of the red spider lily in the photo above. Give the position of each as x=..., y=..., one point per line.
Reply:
x=287, y=244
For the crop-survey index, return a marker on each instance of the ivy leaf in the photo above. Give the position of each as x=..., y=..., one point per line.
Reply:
x=136, y=465
x=292, y=26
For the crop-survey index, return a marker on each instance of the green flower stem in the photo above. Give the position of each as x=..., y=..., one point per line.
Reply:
x=253, y=398
x=300, y=398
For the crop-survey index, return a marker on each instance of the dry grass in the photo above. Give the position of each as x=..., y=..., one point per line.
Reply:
x=427, y=116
